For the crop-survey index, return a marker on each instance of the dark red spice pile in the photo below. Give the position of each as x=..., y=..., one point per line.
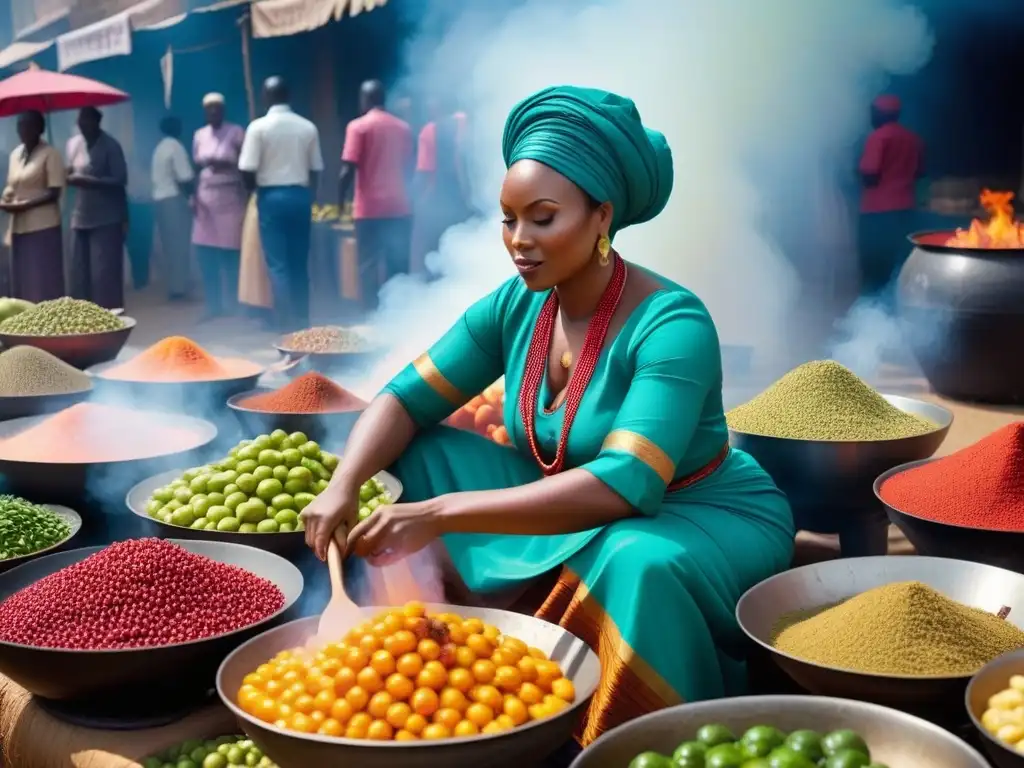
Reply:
x=135, y=594
x=310, y=393
x=980, y=486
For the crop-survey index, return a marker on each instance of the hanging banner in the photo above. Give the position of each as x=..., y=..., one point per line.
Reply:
x=278, y=18
x=111, y=37
x=167, y=73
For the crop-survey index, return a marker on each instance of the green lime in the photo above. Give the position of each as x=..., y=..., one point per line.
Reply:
x=320, y=486
x=252, y=511
x=263, y=473
x=286, y=517
x=252, y=759
x=303, y=500
x=298, y=438
x=249, y=453
x=292, y=457
x=270, y=458
x=650, y=760
x=806, y=743
x=225, y=747
x=262, y=442
x=247, y=483
x=218, y=513
x=215, y=760
x=724, y=756
x=229, y=489
x=246, y=466
x=760, y=740
x=848, y=758
x=183, y=516
x=690, y=750
x=236, y=498
x=283, y=501
x=296, y=486
x=236, y=756
x=267, y=526
x=164, y=494
x=247, y=528
x=185, y=762
x=183, y=495
x=153, y=506
x=215, y=498
x=229, y=524
x=200, y=503
x=199, y=524
x=286, y=527
x=277, y=437
x=164, y=516
x=310, y=449
x=329, y=460
x=268, y=489
x=188, y=474
x=367, y=491
x=229, y=463
x=837, y=741
x=198, y=484
x=713, y=735
x=154, y=762
x=281, y=472
x=784, y=757
x=364, y=512
x=300, y=473
x=198, y=754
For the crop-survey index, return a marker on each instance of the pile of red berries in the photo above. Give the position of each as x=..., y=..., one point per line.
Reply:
x=136, y=594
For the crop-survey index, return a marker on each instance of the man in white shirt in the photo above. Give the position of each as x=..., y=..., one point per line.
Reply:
x=173, y=178
x=281, y=161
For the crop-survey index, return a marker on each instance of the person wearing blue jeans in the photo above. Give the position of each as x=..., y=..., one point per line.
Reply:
x=281, y=161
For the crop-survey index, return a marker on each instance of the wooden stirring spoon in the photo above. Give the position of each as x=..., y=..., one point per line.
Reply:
x=341, y=613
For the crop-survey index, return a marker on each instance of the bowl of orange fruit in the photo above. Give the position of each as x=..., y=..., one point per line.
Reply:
x=412, y=687
x=484, y=414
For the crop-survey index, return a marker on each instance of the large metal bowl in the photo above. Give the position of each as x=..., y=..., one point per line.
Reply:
x=322, y=427
x=69, y=516
x=525, y=746
x=139, y=685
x=297, y=362
x=78, y=349
x=66, y=481
x=895, y=738
x=993, y=678
x=829, y=482
x=1004, y=549
x=198, y=398
x=821, y=584
x=281, y=543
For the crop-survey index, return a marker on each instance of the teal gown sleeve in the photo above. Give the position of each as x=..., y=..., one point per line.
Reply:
x=677, y=361
x=459, y=366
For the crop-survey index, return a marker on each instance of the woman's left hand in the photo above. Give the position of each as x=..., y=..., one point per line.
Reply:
x=395, y=531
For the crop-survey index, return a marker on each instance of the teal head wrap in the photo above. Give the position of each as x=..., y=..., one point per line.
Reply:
x=597, y=140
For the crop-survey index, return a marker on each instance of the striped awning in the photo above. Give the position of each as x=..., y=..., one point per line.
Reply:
x=279, y=18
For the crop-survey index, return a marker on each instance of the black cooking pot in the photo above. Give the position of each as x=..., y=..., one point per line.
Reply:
x=962, y=313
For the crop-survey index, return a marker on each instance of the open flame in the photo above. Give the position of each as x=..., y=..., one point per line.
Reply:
x=1002, y=230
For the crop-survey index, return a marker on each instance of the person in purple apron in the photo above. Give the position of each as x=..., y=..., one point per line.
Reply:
x=219, y=208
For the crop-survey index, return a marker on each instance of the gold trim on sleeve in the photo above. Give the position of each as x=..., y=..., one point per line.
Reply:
x=436, y=380
x=643, y=449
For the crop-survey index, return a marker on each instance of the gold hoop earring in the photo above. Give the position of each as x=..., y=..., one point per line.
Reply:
x=604, y=246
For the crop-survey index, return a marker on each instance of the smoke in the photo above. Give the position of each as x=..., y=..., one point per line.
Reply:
x=762, y=104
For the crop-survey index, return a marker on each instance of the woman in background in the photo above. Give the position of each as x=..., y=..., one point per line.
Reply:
x=173, y=182
x=219, y=208
x=620, y=482
x=35, y=180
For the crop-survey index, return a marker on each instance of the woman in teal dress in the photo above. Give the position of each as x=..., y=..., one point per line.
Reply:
x=619, y=477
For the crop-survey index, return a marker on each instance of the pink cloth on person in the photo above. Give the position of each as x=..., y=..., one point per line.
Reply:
x=888, y=103
x=220, y=195
x=895, y=155
x=426, y=154
x=380, y=146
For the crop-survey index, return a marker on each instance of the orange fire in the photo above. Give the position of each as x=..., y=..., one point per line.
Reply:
x=1002, y=230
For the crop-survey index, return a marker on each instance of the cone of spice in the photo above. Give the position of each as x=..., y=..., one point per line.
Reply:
x=90, y=433
x=28, y=371
x=310, y=393
x=178, y=359
x=904, y=628
x=823, y=400
x=980, y=486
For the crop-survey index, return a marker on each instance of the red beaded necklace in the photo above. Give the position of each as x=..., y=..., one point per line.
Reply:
x=537, y=364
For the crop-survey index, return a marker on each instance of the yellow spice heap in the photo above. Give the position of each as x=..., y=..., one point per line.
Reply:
x=906, y=628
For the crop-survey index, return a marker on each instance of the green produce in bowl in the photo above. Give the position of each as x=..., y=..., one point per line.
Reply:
x=224, y=752
x=10, y=307
x=27, y=528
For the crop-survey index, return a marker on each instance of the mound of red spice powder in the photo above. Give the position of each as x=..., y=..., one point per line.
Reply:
x=310, y=393
x=135, y=594
x=980, y=486
x=175, y=358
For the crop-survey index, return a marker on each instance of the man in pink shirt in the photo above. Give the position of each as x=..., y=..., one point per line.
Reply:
x=891, y=164
x=378, y=155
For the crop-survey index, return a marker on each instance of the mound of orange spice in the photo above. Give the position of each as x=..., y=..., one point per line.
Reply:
x=483, y=414
x=175, y=358
x=405, y=676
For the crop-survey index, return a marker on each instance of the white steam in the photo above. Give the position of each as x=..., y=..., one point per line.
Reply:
x=762, y=104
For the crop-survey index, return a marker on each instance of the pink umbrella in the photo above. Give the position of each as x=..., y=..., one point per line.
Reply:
x=45, y=91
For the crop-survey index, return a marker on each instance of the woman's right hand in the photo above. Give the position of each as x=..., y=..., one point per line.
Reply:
x=331, y=510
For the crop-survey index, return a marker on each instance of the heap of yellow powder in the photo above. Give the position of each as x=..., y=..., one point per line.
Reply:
x=905, y=628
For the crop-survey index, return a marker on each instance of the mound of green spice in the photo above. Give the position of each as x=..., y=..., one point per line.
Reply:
x=823, y=400
x=62, y=317
x=27, y=528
